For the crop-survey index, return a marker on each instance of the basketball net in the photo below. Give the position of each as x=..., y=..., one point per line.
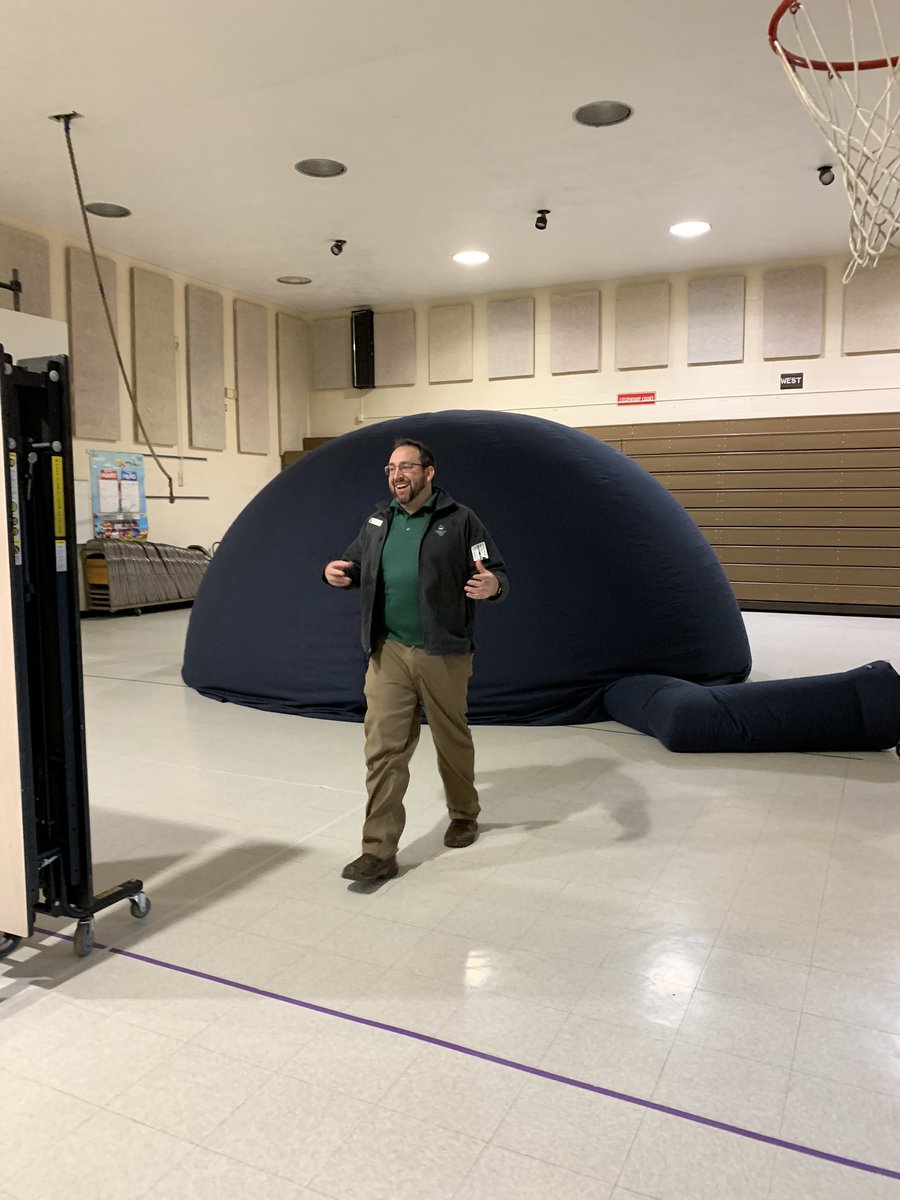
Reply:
x=856, y=104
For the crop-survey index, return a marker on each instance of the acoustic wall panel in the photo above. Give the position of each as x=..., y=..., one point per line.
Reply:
x=155, y=388
x=251, y=369
x=395, y=349
x=291, y=335
x=642, y=326
x=794, y=312
x=716, y=319
x=205, y=367
x=450, y=344
x=510, y=338
x=28, y=254
x=95, y=373
x=574, y=332
x=331, y=354
x=872, y=309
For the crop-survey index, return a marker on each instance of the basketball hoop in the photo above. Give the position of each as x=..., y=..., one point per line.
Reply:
x=855, y=101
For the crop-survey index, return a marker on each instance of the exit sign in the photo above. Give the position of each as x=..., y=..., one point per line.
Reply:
x=791, y=381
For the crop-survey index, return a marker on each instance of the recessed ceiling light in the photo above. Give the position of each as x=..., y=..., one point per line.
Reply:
x=293, y=279
x=99, y=209
x=689, y=229
x=320, y=168
x=471, y=258
x=603, y=112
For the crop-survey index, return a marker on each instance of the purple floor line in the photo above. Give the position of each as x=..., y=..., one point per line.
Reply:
x=582, y=1084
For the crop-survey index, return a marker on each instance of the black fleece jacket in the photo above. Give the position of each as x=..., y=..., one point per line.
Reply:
x=446, y=563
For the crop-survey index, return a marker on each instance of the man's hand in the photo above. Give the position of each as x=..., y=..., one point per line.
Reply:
x=483, y=584
x=335, y=573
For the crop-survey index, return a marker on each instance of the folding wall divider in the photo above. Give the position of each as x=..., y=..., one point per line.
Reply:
x=44, y=810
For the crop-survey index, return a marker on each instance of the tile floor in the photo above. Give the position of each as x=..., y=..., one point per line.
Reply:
x=717, y=935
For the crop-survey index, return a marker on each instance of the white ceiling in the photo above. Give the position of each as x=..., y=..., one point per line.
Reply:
x=454, y=118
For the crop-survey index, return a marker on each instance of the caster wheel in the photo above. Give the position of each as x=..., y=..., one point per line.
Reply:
x=84, y=938
x=8, y=943
x=140, y=906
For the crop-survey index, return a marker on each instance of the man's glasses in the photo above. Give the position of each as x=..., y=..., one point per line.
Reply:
x=393, y=468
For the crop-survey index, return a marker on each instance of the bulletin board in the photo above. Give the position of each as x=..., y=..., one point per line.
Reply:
x=118, y=495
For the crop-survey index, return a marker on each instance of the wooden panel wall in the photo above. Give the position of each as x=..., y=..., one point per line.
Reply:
x=803, y=512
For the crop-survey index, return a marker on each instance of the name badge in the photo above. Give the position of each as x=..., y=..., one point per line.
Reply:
x=376, y=521
x=479, y=550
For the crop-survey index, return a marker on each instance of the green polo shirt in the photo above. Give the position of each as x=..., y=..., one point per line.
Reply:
x=400, y=573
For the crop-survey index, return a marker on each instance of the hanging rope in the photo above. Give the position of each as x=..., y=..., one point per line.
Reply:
x=66, y=122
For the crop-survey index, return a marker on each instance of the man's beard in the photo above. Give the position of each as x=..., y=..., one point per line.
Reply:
x=411, y=494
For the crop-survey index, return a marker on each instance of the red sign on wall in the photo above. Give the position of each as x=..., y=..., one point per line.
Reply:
x=636, y=398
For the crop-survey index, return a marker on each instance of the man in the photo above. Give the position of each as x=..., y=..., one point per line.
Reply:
x=420, y=563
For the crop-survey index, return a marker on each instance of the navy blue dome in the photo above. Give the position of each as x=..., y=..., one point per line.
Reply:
x=609, y=576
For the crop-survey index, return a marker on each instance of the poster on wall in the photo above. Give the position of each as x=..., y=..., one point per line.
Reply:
x=118, y=498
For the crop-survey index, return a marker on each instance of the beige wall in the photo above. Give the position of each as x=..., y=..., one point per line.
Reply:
x=229, y=478
x=833, y=383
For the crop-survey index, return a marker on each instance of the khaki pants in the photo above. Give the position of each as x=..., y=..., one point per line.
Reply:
x=398, y=680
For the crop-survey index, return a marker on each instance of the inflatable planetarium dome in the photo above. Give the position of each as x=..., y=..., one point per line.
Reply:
x=609, y=576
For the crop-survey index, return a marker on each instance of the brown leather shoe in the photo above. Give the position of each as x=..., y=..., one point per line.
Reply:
x=460, y=833
x=369, y=868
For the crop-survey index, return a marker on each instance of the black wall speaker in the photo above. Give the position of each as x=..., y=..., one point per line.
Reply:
x=362, y=347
